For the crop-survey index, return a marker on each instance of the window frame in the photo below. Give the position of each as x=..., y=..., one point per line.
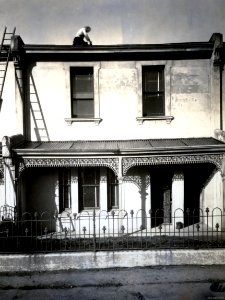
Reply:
x=82, y=185
x=68, y=113
x=75, y=73
x=156, y=91
x=167, y=91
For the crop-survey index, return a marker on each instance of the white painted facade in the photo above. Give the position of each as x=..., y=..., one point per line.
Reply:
x=193, y=109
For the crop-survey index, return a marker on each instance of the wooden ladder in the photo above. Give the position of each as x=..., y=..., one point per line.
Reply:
x=4, y=58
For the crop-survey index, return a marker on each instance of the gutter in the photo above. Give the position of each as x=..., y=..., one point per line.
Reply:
x=116, y=152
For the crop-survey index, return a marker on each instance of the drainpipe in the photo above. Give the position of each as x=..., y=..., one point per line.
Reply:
x=218, y=61
x=221, y=97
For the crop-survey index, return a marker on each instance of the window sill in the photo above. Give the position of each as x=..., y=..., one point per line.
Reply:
x=168, y=119
x=71, y=120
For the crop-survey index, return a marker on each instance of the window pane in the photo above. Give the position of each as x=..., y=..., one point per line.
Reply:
x=153, y=91
x=91, y=175
x=82, y=92
x=83, y=87
x=83, y=108
x=90, y=196
x=89, y=181
x=153, y=105
x=151, y=81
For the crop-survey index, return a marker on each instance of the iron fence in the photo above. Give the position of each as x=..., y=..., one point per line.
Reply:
x=110, y=231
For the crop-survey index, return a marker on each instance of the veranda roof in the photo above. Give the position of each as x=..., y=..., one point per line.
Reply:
x=121, y=147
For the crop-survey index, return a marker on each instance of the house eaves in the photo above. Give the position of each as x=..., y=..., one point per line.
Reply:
x=119, y=52
x=41, y=52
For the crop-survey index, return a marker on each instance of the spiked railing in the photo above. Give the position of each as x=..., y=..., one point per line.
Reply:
x=110, y=231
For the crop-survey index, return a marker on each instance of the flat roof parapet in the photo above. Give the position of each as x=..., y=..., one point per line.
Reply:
x=47, y=52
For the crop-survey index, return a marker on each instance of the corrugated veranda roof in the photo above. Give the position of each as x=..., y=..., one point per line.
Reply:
x=119, y=145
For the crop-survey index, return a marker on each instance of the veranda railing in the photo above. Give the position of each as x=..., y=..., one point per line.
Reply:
x=110, y=231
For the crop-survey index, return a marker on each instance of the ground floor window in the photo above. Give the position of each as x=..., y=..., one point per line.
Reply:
x=89, y=185
x=88, y=188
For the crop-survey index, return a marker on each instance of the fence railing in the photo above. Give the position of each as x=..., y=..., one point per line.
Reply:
x=110, y=231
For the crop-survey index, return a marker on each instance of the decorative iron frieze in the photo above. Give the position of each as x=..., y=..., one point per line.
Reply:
x=128, y=162
x=178, y=176
x=139, y=181
x=112, y=163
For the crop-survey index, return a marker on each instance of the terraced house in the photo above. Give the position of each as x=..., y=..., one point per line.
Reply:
x=130, y=136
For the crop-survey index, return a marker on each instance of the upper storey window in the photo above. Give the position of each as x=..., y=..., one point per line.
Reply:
x=82, y=103
x=82, y=89
x=153, y=91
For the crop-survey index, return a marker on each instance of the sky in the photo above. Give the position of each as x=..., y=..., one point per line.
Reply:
x=114, y=21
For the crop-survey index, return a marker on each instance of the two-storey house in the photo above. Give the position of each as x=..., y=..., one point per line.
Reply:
x=132, y=128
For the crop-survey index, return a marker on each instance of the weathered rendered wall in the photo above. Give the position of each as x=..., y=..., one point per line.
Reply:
x=190, y=96
x=212, y=194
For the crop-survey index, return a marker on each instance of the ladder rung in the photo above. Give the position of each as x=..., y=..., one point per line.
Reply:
x=4, y=55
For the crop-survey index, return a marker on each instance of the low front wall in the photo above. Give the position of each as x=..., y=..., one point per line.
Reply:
x=124, y=259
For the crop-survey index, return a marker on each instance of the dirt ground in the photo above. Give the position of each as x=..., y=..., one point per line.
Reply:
x=171, y=282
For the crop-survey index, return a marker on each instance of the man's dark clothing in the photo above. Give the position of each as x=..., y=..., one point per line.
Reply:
x=79, y=41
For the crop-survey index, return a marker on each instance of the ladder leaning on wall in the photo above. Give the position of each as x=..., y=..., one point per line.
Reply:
x=4, y=58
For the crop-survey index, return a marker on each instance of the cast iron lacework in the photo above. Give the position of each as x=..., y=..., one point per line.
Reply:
x=112, y=163
x=128, y=162
x=139, y=181
x=178, y=176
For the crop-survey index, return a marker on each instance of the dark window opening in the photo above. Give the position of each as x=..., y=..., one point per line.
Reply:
x=89, y=185
x=153, y=91
x=82, y=92
x=112, y=190
x=64, y=189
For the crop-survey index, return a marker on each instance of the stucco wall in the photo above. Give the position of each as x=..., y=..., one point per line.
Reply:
x=119, y=86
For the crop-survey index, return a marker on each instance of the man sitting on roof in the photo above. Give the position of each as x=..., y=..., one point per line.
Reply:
x=82, y=34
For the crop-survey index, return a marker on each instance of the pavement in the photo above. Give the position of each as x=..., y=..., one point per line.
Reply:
x=169, y=282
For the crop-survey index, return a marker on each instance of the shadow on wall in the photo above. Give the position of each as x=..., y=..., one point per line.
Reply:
x=40, y=129
x=39, y=190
